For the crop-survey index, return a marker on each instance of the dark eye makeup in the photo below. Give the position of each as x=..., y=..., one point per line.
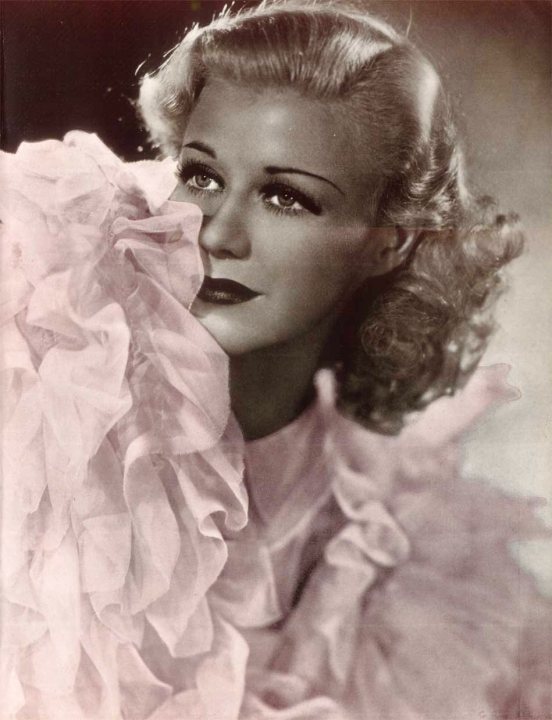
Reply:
x=200, y=173
x=197, y=176
x=287, y=196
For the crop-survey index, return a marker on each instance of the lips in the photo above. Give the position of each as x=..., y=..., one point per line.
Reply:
x=225, y=292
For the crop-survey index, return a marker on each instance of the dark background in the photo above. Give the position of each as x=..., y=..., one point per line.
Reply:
x=72, y=64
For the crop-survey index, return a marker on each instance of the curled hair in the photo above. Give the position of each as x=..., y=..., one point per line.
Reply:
x=417, y=333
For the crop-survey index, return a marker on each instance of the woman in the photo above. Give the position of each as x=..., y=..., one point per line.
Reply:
x=321, y=569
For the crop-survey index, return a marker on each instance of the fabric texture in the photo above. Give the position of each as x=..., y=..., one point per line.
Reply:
x=156, y=567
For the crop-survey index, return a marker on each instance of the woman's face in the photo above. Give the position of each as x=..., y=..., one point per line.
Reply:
x=286, y=236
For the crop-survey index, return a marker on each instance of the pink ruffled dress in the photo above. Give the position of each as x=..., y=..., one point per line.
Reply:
x=156, y=567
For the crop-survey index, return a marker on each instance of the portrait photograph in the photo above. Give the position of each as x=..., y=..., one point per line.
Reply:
x=275, y=344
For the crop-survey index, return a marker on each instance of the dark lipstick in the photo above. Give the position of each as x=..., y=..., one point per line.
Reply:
x=224, y=292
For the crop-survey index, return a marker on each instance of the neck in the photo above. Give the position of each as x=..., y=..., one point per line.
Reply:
x=270, y=387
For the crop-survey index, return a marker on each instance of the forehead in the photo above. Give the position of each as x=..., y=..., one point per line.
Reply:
x=277, y=126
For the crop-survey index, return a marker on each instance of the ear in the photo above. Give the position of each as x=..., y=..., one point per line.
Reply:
x=388, y=247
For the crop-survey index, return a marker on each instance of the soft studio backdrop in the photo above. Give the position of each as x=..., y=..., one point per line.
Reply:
x=73, y=64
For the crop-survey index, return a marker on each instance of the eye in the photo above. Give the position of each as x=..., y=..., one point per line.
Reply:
x=199, y=178
x=202, y=181
x=285, y=199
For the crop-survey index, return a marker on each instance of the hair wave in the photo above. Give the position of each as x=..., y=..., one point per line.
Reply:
x=417, y=333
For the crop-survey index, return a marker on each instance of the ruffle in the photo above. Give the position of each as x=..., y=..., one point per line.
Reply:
x=417, y=610
x=131, y=576
x=122, y=466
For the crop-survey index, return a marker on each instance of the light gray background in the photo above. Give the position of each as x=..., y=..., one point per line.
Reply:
x=495, y=57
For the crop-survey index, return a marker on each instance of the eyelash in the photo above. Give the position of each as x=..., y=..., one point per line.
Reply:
x=187, y=170
x=276, y=188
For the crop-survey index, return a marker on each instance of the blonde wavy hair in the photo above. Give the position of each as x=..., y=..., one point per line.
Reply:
x=417, y=333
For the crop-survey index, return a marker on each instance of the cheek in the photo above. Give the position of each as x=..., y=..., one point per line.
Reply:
x=327, y=263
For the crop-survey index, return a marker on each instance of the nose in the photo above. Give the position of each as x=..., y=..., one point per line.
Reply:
x=224, y=231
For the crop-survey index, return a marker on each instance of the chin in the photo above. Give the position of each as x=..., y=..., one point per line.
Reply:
x=239, y=331
x=231, y=336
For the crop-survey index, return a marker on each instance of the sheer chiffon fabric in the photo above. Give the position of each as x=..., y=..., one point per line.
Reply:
x=155, y=566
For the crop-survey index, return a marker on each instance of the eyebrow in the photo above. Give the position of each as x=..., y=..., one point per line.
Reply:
x=271, y=169
x=202, y=148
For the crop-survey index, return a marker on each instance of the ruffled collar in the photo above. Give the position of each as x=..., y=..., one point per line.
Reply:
x=124, y=469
